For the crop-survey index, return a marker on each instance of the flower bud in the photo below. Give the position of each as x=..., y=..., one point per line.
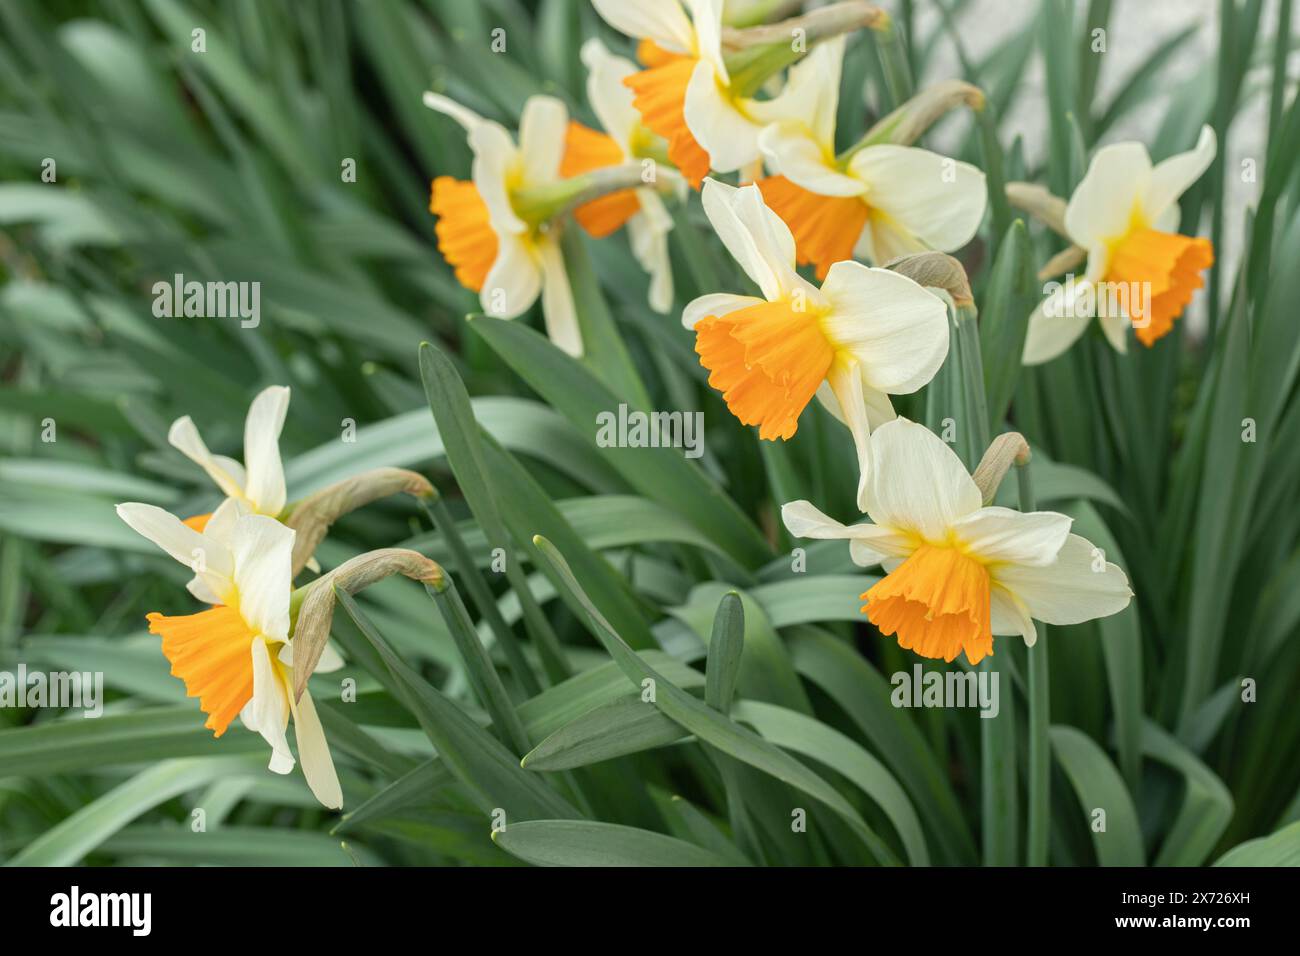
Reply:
x=312, y=517
x=1007, y=449
x=315, y=602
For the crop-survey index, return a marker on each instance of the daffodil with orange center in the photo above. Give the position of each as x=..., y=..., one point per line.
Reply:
x=507, y=253
x=863, y=335
x=236, y=657
x=1140, y=271
x=624, y=140
x=876, y=202
x=685, y=93
x=957, y=572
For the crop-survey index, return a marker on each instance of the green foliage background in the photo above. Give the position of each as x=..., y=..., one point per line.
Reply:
x=226, y=165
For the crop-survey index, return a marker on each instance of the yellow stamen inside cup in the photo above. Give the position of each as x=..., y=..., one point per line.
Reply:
x=212, y=653
x=937, y=602
x=767, y=360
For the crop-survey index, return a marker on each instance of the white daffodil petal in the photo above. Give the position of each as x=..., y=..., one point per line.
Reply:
x=1009, y=616
x=1172, y=177
x=938, y=200
x=542, y=128
x=1103, y=203
x=267, y=713
x=706, y=18
x=557, y=300
x=263, y=551
x=514, y=281
x=726, y=134
x=1053, y=327
x=793, y=153
x=495, y=160
x=227, y=473
x=1078, y=586
x=208, y=557
x=995, y=534
x=873, y=542
x=845, y=381
x=445, y=105
x=330, y=661
x=811, y=95
x=649, y=241
x=1115, y=327
x=918, y=484
x=879, y=408
x=716, y=304
x=221, y=523
x=719, y=204
x=314, y=753
x=897, y=330
x=663, y=21
x=264, y=484
x=610, y=99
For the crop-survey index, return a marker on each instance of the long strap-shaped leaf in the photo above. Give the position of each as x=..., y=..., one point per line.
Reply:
x=586, y=843
x=711, y=726
x=474, y=756
x=661, y=474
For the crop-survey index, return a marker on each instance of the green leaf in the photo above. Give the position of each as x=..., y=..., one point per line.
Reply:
x=1206, y=808
x=813, y=739
x=145, y=735
x=477, y=759
x=1010, y=297
x=1279, y=849
x=1099, y=786
x=69, y=841
x=712, y=727
x=661, y=474
x=235, y=846
x=583, y=843
x=726, y=647
x=865, y=696
x=624, y=726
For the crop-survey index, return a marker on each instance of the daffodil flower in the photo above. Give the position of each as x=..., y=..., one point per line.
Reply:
x=685, y=94
x=957, y=572
x=864, y=335
x=1123, y=214
x=259, y=481
x=508, y=254
x=624, y=141
x=876, y=203
x=236, y=656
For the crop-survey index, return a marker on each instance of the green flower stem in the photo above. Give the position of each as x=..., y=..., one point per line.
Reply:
x=999, y=796
x=893, y=59
x=483, y=676
x=1040, y=753
x=480, y=594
